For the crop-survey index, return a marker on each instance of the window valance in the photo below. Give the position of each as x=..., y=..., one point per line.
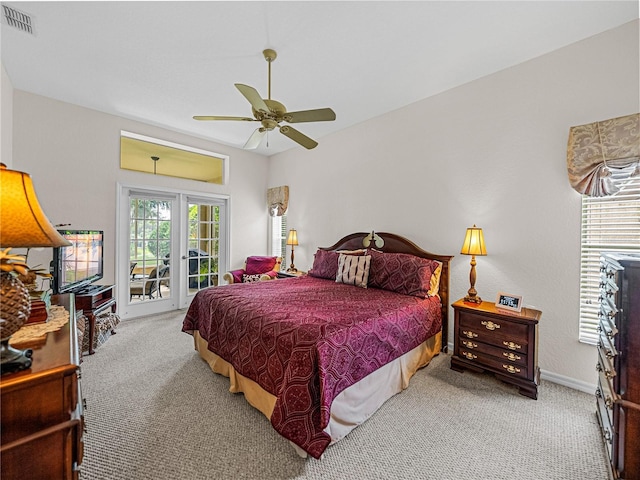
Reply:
x=596, y=147
x=278, y=200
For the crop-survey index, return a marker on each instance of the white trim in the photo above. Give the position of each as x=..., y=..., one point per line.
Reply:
x=585, y=387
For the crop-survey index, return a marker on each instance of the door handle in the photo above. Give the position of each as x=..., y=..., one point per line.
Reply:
x=184, y=257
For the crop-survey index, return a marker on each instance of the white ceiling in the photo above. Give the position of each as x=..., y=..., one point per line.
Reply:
x=163, y=62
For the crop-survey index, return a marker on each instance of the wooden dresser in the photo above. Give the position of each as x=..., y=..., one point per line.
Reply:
x=487, y=339
x=618, y=392
x=42, y=416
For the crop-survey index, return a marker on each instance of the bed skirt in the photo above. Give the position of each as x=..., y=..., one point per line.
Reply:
x=352, y=406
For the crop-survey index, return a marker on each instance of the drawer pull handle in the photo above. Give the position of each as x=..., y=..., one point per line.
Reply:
x=490, y=325
x=607, y=435
x=511, y=345
x=469, y=345
x=607, y=352
x=511, y=356
x=469, y=355
x=598, y=393
x=469, y=334
x=607, y=373
x=511, y=369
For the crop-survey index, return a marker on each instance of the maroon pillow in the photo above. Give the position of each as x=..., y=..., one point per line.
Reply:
x=401, y=273
x=257, y=265
x=325, y=264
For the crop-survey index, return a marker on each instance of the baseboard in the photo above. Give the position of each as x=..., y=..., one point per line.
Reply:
x=559, y=379
x=585, y=387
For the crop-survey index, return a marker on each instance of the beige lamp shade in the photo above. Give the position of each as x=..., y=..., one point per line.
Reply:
x=292, y=239
x=473, y=242
x=23, y=224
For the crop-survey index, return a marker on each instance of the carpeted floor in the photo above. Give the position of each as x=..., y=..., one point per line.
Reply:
x=156, y=411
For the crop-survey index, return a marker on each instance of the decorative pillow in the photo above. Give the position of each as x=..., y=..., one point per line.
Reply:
x=401, y=273
x=259, y=264
x=251, y=278
x=325, y=264
x=353, y=270
x=434, y=283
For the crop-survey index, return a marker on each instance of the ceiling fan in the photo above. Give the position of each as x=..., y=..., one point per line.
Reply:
x=271, y=113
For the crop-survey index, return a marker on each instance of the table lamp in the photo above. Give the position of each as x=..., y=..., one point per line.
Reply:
x=23, y=224
x=473, y=245
x=292, y=240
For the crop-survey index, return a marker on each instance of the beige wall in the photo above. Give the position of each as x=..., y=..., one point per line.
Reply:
x=73, y=155
x=491, y=152
x=6, y=121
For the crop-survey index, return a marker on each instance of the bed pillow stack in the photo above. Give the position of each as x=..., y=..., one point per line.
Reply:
x=401, y=273
x=398, y=272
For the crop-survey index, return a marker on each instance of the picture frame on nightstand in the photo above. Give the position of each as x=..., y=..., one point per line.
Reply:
x=509, y=302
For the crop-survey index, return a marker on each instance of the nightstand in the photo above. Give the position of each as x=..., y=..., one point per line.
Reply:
x=286, y=274
x=487, y=339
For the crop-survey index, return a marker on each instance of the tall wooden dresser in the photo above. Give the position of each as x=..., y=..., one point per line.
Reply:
x=618, y=392
x=42, y=419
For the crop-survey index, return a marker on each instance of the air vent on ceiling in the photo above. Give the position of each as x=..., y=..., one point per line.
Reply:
x=17, y=19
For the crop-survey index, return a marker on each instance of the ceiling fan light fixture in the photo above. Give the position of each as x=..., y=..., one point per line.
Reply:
x=270, y=113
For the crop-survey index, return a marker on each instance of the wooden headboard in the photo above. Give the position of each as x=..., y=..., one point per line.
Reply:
x=397, y=244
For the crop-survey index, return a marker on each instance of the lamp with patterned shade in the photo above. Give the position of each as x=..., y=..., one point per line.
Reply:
x=23, y=224
x=292, y=240
x=473, y=245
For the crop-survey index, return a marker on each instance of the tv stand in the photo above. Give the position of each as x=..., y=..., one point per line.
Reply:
x=94, y=300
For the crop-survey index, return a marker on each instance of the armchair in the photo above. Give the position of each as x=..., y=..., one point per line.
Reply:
x=150, y=285
x=256, y=269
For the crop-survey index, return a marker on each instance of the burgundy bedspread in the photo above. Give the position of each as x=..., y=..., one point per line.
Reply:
x=305, y=340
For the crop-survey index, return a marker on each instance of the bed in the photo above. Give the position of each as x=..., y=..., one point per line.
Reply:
x=320, y=353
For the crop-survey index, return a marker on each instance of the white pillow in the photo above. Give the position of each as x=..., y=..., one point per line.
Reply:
x=353, y=270
x=251, y=278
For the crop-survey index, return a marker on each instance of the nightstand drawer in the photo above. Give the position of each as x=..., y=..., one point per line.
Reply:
x=500, y=341
x=500, y=353
x=499, y=366
x=515, y=332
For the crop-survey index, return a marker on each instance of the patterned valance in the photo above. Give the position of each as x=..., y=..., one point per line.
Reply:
x=596, y=147
x=278, y=200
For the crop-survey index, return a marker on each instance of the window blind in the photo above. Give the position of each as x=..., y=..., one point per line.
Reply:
x=609, y=224
x=279, y=237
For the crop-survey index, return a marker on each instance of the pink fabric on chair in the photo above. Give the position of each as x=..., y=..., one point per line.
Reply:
x=237, y=275
x=256, y=265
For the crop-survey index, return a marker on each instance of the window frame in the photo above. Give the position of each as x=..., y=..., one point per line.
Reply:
x=278, y=245
x=608, y=224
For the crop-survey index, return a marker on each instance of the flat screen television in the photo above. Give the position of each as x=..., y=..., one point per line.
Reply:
x=78, y=265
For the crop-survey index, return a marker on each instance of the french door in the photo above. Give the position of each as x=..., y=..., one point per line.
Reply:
x=170, y=246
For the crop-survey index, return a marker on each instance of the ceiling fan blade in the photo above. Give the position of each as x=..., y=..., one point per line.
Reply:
x=298, y=137
x=255, y=139
x=319, y=115
x=253, y=96
x=218, y=117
